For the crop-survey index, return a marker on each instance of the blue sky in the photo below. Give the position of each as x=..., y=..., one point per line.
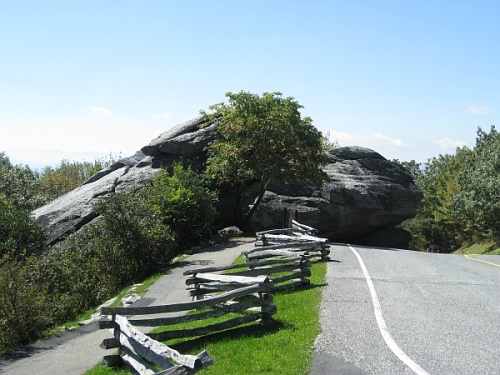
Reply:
x=83, y=79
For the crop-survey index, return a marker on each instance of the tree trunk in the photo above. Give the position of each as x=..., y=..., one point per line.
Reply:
x=263, y=188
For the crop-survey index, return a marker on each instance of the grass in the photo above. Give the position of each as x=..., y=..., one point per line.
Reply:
x=485, y=248
x=286, y=348
x=105, y=370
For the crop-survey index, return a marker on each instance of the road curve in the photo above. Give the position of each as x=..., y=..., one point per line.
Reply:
x=441, y=310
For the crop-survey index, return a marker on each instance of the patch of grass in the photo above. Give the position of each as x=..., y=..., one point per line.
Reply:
x=71, y=324
x=105, y=370
x=286, y=348
x=486, y=248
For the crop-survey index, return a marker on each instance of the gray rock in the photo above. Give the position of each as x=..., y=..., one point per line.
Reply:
x=73, y=210
x=188, y=144
x=366, y=192
x=153, y=148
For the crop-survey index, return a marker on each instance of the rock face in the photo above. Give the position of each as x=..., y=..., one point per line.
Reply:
x=73, y=210
x=366, y=193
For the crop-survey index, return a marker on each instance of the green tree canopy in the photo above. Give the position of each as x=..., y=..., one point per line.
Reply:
x=260, y=138
x=20, y=234
x=19, y=184
x=479, y=180
x=461, y=202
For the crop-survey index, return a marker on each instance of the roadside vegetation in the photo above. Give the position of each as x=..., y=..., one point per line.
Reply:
x=461, y=205
x=137, y=233
x=140, y=233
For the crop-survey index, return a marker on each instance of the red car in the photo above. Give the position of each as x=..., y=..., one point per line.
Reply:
x=433, y=249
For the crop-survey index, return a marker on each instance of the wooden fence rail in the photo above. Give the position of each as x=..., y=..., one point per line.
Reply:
x=282, y=255
x=249, y=300
x=280, y=260
x=140, y=351
x=280, y=271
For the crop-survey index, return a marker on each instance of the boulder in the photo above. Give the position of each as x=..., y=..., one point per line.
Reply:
x=366, y=192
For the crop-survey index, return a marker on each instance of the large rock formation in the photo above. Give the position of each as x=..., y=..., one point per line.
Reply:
x=184, y=142
x=366, y=193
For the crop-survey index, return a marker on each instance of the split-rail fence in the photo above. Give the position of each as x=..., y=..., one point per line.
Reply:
x=140, y=350
x=280, y=260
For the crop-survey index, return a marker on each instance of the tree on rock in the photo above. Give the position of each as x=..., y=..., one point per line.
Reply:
x=261, y=138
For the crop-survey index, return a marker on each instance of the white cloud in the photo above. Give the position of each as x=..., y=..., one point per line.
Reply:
x=476, y=109
x=100, y=111
x=394, y=142
x=448, y=144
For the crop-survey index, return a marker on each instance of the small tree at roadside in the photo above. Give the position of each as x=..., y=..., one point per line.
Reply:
x=261, y=138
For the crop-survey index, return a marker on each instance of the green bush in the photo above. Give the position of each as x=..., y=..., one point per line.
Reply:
x=20, y=234
x=136, y=235
x=184, y=203
x=132, y=242
x=24, y=308
x=72, y=278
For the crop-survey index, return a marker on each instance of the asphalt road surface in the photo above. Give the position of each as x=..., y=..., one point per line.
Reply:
x=388, y=311
x=440, y=314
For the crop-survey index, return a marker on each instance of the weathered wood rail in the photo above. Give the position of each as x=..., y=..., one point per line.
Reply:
x=249, y=301
x=282, y=255
x=140, y=352
x=241, y=295
x=298, y=239
x=284, y=272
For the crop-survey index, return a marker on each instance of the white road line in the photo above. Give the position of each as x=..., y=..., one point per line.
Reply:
x=382, y=325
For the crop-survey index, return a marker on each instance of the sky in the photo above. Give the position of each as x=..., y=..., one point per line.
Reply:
x=83, y=80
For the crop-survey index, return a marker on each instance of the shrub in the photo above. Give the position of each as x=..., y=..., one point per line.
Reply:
x=132, y=242
x=183, y=202
x=20, y=234
x=136, y=235
x=24, y=308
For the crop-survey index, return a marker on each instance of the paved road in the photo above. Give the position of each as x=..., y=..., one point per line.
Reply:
x=77, y=351
x=441, y=311
x=441, y=314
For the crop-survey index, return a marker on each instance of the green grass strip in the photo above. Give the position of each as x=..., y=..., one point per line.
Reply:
x=284, y=349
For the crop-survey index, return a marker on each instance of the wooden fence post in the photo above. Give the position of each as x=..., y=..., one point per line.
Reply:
x=267, y=308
